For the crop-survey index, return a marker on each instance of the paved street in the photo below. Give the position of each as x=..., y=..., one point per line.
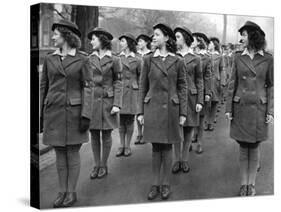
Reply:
x=214, y=174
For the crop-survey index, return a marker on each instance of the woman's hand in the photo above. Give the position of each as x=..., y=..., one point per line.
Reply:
x=198, y=108
x=115, y=110
x=140, y=119
x=182, y=120
x=228, y=116
x=269, y=119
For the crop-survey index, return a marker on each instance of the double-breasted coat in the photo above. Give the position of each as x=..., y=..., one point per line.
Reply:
x=195, y=95
x=217, y=77
x=163, y=98
x=250, y=97
x=131, y=69
x=65, y=97
x=108, y=89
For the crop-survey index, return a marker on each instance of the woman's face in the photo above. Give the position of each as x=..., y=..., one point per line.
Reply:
x=244, y=38
x=159, y=39
x=58, y=39
x=180, y=39
x=95, y=42
x=123, y=44
x=194, y=43
x=141, y=44
x=211, y=46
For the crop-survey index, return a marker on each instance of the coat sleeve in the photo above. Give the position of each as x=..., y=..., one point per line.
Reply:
x=44, y=86
x=87, y=90
x=117, y=82
x=270, y=90
x=139, y=70
x=144, y=84
x=207, y=77
x=232, y=86
x=182, y=87
x=199, y=82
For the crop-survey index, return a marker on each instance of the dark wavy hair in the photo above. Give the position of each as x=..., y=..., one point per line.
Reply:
x=70, y=37
x=171, y=43
x=216, y=44
x=186, y=38
x=131, y=45
x=104, y=41
x=148, y=42
x=256, y=40
x=200, y=43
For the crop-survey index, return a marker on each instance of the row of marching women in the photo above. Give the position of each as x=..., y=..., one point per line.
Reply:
x=171, y=87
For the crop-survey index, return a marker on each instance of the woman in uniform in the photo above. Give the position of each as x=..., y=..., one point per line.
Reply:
x=107, y=102
x=250, y=102
x=65, y=99
x=131, y=68
x=217, y=82
x=200, y=45
x=162, y=106
x=144, y=46
x=194, y=96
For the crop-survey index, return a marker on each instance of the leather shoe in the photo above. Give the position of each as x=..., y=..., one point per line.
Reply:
x=243, y=190
x=59, y=200
x=102, y=172
x=154, y=192
x=165, y=192
x=251, y=190
x=176, y=167
x=120, y=152
x=95, y=172
x=70, y=199
x=185, y=167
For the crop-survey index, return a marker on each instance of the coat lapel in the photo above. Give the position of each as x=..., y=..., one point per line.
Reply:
x=188, y=59
x=69, y=60
x=170, y=60
x=260, y=59
x=124, y=61
x=105, y=60
x=157, y=61
x=248, y=62
x=58, y=64
x=94, y=61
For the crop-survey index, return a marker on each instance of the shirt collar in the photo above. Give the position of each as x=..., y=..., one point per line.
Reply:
x=246, y=52
x=158, y=54
x=190, y=51
x=132, y=54
x=144, y=53
x=202, y=51
x=215, y=52
x=107, y=53
x=72, y=52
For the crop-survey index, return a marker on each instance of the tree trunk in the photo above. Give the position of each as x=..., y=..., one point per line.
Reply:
x=86, y=18
x=224, y=28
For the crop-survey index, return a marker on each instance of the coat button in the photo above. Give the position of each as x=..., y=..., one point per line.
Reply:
x=165, y=106
x=244, y=77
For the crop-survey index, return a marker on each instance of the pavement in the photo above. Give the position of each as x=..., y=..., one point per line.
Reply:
x=214, y=174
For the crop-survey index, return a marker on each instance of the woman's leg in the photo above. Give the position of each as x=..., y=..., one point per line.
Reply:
x=166, y=164
x=253, y=162
x=130, y=130
x=73, y=159
x=106, y=146
x=188, y=132
x=122, y=130
x=199, y=134
x=62, y=167
x=244, y=160
x=96, y=146
x=213, y=112
x=156, y=164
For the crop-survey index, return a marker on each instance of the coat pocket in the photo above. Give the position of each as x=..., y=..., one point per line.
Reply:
x=263, y=100
x=146, y=99
x=236, y=99
x=135, y=85
x=176, y=100
x=75, y=101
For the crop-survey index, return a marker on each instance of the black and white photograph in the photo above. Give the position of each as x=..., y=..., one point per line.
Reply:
x=135, y=105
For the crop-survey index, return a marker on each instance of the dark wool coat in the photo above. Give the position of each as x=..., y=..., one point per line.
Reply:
x=195, y=94
x=65, y=97
x=218, y=76
x=163, y=98
x=131, y=69
x=107, y=74
x=250, y=97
